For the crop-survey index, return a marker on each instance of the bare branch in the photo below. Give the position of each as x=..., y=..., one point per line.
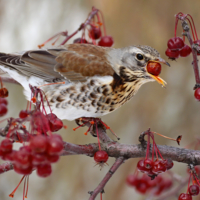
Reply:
x=107, y=177
x=6, y=167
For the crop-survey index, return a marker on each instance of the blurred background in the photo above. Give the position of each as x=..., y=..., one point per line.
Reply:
x=172, y=111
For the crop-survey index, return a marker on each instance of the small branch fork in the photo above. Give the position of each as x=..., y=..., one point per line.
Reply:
x=100, y=187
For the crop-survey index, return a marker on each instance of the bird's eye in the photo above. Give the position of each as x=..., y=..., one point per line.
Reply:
x=139, y=56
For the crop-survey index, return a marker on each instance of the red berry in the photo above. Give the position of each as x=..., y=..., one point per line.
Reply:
x=6, y=146
x=39, y=143
x=141, y=166
x=24, y=171
x=148, y=163
x=80, y=40
x=184, y=196
x=53, y=158
x=154, y=68
x=3, y=101
x=175, y=43
x=101, y=156
x=44, y=170
x=9, y=156
x=185, y=51
x=197, y=42
x=95, y=32
x=106, y=41
x=3, y=92
x=55, y=145
x=132, y=180
x=168, y=163
x=142, y=185
x=55, y=123
x=172, y=54
x=194, y=190
x=159, y=167
x=39, y=158
x=3, y=110
x=23, y=159
x=23, y=114
x=197, y=94
x=26, y=148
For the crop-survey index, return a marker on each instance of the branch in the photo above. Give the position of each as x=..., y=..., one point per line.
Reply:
x=174, y=191
x=82, y=26
x=100, y=187
x=135, y=151
x=5, y=167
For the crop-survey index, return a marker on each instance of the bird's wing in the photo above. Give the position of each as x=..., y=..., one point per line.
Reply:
x=74, y=62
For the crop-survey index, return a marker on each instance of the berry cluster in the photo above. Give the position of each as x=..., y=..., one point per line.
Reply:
x=153, y=167
x=144, y=184
x=39, y=154
x=176, y=45
x=93, y=32
x=193, y=190
x=176, y=48
x=3, y=107
x=43, y=148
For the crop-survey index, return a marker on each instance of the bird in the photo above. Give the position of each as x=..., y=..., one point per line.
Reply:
x=83, y=80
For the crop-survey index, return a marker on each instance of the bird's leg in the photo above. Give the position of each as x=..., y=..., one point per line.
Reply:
x=91, y=122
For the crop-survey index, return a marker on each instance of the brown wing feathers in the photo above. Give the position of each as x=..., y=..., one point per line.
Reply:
x=74, y=62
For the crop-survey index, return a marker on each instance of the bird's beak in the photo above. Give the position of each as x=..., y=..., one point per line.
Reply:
x=157, y=78
x=162, y=61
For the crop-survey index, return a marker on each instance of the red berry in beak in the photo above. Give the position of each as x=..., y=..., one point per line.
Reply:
x=154, y=68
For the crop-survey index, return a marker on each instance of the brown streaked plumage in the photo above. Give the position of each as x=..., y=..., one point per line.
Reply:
x=98, y=80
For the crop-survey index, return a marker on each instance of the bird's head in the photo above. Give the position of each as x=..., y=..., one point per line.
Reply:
x=133, y=61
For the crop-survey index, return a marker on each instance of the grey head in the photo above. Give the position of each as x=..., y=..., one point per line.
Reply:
x=133, y=61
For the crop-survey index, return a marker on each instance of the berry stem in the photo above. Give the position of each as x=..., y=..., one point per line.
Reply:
x=193, y=26
x=189, y=183
x=191, y=29
x=13, y=192
x=164, y=136
x=83, y=25
x=26, y=194
x=24, y=188
x=104, y=27
x=98, y=136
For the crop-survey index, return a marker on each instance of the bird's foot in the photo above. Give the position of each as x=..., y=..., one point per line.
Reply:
x=93, y=123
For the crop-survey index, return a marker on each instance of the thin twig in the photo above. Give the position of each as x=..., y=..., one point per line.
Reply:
x=82, y=26
x=174, y=191
x=107, y=177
